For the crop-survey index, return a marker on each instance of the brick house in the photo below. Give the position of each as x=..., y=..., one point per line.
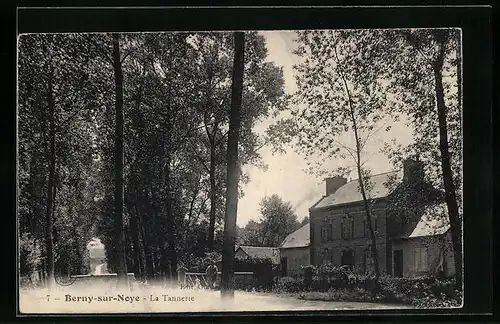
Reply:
x=295, y=252
x=339, y=233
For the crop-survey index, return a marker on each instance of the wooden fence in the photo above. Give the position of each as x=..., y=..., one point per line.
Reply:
x=200, y=279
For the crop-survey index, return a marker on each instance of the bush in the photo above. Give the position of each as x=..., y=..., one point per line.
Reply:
x=421, y=292
x=30, y=255
x=332, y=271
x=327, y=276
x=340, y=283
x=263, y=269
x=289, y=285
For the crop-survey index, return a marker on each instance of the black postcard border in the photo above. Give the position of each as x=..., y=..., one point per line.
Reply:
x=475, y=22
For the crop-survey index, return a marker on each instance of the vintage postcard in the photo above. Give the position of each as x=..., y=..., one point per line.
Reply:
x=249, y=171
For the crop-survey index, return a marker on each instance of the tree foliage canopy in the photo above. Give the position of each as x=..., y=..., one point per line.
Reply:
x=277, y=220
x=176, y=99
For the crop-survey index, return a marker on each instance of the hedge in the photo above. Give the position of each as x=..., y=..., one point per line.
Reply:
x=419, y=292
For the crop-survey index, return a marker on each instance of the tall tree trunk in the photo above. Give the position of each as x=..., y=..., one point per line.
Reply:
x=358, y=169
x=449, y=186
x=170, y=223
x=228, y=261
x=141, y=243
x=213, y=195
x=119, y=120
x=78, y=266
x=157, y=240
x=128, y=252
x=134, y=234
x=49, y=239
x=211, y=134
x=368, y=215
x=161, y=254
x=154, y=262
x=135, y=219
x=33, y=229
x=191, y=205
x=148, y=254
x=459, y=72
x=43, y=270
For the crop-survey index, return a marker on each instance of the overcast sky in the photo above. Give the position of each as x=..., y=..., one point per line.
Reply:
x=285, y=175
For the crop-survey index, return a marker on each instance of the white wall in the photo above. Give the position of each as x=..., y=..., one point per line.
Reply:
x=296, y=258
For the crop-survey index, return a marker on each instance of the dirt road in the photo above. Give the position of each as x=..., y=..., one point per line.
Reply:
x=160, y=300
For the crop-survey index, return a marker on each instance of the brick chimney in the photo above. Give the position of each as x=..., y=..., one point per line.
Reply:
x=334, y=183
x=413, y=170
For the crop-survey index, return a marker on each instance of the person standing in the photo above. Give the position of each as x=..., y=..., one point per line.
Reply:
x=212, y=275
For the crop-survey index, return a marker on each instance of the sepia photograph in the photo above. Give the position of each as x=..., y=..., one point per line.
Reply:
x=239, y=171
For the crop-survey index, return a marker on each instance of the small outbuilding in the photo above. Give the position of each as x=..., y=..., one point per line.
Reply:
x=295, y=252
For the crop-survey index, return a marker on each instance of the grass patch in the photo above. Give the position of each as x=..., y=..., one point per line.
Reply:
x=343, y=295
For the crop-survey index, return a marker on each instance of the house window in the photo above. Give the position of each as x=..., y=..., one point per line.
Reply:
x=348, y=227
x=324, y=232
x=420, y=258
x=366, y=229
x=330, y=232
x=326, y=256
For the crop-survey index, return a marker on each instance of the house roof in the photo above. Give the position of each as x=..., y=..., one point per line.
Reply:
x=299, y=238
x=257, y=252
x=434, y=221
x=350, y=193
